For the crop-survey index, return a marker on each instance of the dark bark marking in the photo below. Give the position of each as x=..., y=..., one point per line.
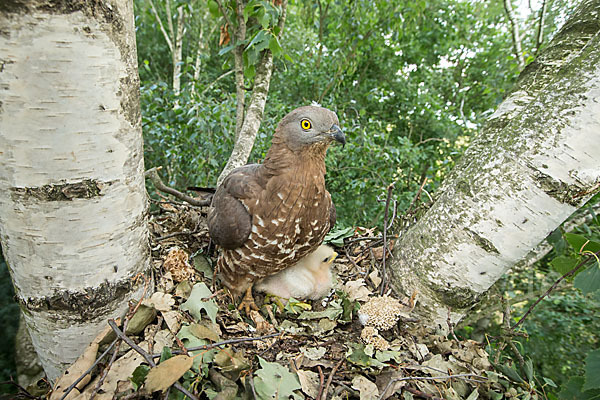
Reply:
x=85, y=189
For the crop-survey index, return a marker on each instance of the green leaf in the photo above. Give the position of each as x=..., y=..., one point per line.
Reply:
x=195, y=303
x=226, y=49
x=165, y=354
x=357, y=355
x=264, y=18
x=275, y=47
x=249, y=71
x=337, y=236
x=588, y=280
x=139, y=376
x=572, y=390
x=186, y=334
x=580, y=243
x=509, y=372
x=213, y=8
x=592, y=370
x=563, y=264
x=549, y=382
x=332, y=312
x=528, y=369
x=274, y=381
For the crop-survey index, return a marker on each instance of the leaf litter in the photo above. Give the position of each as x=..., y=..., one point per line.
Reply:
x=352, y=344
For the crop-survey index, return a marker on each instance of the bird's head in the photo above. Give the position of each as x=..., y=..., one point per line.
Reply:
x=309, y=127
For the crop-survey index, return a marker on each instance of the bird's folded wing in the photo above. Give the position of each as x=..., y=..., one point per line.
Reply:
x=229, y=222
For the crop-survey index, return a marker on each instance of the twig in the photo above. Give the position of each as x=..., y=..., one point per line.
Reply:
x=146, y=356
x=417, y=196
x=223, y=343
x=215, y=81
x=23, y=391
x=390, y=188
x=516, y=36
x=430, y=378
x=559, y=280
x=72, y=386
x=329, y=379
x=421, y=394
x=321, y=382
x=451, y=326
x=152, y=174
x=170, y=235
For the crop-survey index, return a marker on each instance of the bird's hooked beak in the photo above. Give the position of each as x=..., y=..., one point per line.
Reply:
x=336, y=133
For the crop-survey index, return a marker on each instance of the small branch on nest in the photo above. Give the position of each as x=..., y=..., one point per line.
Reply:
x=451, y=326
x=152, y=174
x=329, y=379
x=223, y=343
x=421, y=394
x=146, y=356
x=170, y=235
x=76, y=382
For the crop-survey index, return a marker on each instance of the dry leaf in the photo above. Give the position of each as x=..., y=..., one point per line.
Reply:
x=357, y=290
x=205, y=331
x=161, y=301
x=309, y=381
x=368, y=390
x=374, y=277
x=173, y=320
x=167, y=373
x=224, y=38
x=78, y=368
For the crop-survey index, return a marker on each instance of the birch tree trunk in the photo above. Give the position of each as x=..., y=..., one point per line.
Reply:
x=248, y=119
x=72, y=198
x=535, y=162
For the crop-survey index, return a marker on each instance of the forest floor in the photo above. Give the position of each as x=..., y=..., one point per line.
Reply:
x=314, y=349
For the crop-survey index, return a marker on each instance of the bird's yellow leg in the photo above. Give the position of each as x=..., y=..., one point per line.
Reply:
x=247, y=302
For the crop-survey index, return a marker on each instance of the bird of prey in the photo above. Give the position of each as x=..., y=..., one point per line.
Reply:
x=309, y=278
x=267, y=216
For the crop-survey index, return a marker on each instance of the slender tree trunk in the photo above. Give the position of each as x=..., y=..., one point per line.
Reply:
x=540, y=29
x=516, y=36
x=534, y=163
x=72, y=198
x=178, y=53
x=238, y=52
x=254, y=112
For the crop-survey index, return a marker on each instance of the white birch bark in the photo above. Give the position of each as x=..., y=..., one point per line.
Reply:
x=535, y=162
x=72, y=198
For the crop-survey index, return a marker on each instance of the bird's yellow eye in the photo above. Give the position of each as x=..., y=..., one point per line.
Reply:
x=305, y=124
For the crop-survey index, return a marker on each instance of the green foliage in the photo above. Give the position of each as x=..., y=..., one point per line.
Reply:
x=592, y=371
x=274, y=381
x=9, y=323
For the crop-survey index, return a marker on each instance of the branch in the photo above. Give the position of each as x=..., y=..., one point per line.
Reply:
x=152, y=174
x=540, y=31
x=390, y=188
x=559, y=280
x=223, y=343
x=146, y=356
x=162, y=27
x=216, y=80
x=515, y=33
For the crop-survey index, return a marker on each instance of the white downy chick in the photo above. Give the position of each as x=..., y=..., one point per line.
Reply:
x=310, y=278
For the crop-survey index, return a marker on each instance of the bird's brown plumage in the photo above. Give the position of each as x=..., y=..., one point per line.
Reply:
x=268, y=216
